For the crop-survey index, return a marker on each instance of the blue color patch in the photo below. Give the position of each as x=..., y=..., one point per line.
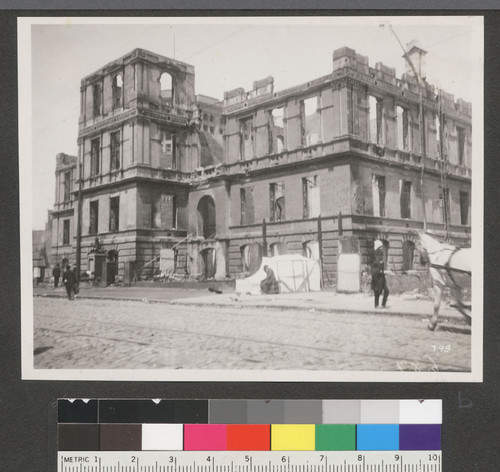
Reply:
x=377, y=437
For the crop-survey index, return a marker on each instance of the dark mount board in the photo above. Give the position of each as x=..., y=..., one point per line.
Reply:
x=470, y=411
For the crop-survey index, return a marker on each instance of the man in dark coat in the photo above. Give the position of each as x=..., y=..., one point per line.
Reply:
x=56, y=273
x=69, y=280
x=379, y=284
x=269, y=284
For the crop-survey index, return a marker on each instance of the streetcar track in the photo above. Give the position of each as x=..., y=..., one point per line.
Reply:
x=386, y=317
x=262, y=342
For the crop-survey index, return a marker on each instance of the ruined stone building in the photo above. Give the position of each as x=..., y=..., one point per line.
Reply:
x=161, y=167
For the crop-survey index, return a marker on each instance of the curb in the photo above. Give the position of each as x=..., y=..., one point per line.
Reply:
x=457, y=317
x=320, y=309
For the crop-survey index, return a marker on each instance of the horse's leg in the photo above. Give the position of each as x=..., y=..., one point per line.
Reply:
x=437, y=302
x=458, y=296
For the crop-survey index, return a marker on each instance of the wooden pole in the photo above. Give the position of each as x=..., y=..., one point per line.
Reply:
x=264, y=238
x=320, y=247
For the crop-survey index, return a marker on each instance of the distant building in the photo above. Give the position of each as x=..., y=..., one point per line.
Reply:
x=164, y=168
x=63, y=215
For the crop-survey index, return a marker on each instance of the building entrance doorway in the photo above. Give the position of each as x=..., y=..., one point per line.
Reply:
x=111, y=267
x=208, y=263
x=206, y=217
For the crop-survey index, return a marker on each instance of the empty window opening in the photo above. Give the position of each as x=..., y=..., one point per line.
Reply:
x=66, y=232
x=378, y=192
x=164, y=211
x=402, y=125
x=67, y=185
x=437, y=123
x=277, y=201
x=276, y=131
x=464, y=208
x=461, y=145
x=212, y=129
x=310, y=197
x=205, y=117
x=408, y=255
x=167, y=150
x=115, y=151
x=310, y=249
x=114, y=213
x=94, y=217
x=251, y=257
x=95, y=156
x=405, y=198
x=310, y=121
x=117, y=88
x=246, y=139
x=375, y=105
x=444, y=202
x=156, y=211
x=167, y=89
x=211, y=118
x=96, y=100
x=247, y=206
x=276, y=249
x=173, y=206
x=206, y=217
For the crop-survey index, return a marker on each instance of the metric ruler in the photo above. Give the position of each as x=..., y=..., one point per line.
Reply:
x=244, y=461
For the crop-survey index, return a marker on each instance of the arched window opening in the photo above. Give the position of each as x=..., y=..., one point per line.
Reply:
x=310, y=249
x=251, y=257
x=167, y=89
x=206, y=217
x=408, y=255
x=117, y=92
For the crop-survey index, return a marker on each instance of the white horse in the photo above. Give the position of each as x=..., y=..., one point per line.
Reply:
x=450, y=267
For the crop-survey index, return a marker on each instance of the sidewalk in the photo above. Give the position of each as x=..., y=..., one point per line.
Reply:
x=326, y=301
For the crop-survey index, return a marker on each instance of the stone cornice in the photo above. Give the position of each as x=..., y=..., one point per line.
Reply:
x=134, y=114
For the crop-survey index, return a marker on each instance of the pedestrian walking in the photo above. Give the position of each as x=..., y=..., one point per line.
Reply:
x=56, y=273
x=69, y=280
x=379, y=284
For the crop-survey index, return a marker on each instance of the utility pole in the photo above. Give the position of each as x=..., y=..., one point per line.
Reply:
x=422, y=119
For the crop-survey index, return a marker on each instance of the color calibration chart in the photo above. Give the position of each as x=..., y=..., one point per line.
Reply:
x=111, y=435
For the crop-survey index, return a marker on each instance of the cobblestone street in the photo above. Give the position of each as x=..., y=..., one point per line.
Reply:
x=108, y=334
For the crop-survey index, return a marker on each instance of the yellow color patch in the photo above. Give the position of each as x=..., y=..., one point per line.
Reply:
x=293, y=437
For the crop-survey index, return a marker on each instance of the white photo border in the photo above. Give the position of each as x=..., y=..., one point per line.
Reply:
x=25, y=184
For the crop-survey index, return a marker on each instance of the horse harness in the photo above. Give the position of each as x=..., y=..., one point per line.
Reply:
x=449, y=270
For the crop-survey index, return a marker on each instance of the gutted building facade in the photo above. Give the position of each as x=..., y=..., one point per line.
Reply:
x=330, y=165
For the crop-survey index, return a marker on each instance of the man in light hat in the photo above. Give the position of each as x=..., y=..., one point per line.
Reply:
x=379, y=284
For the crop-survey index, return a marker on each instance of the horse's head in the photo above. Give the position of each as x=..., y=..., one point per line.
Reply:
x=424, y=241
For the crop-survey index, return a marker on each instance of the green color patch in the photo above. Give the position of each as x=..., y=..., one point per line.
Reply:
x=335, y=437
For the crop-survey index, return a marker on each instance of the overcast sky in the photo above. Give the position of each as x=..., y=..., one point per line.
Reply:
x=226, y=54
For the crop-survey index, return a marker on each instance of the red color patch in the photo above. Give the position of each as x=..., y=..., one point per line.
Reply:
x=248, y=437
